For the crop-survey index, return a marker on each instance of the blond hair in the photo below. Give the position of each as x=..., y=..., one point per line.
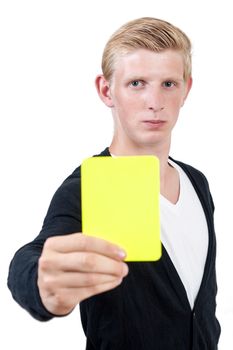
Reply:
x=146, y=33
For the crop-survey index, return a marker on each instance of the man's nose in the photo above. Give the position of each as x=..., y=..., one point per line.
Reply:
x=155, y=99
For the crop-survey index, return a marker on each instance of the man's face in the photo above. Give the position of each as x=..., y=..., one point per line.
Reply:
x=147, y=90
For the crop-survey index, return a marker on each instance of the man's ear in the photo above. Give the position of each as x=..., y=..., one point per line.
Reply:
x=188, y=86
x=103, y=89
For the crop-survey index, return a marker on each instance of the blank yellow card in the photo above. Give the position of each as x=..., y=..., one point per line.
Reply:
x=120, y=203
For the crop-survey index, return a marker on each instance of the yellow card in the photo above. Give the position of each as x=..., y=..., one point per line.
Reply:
x=120, y=203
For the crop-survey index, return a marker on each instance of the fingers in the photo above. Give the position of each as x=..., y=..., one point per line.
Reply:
x=77, y=280
x=85, y=293
x=64, y=300
x=82, y=242
x=87, y=262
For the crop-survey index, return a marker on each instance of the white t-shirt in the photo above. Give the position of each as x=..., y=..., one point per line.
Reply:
x=184, y=234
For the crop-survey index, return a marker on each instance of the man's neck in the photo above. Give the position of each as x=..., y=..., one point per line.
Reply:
x=161, y=151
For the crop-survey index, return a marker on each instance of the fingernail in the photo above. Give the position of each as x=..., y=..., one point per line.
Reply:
x=121, y=253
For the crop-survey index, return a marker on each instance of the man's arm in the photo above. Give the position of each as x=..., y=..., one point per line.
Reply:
x=53, y=273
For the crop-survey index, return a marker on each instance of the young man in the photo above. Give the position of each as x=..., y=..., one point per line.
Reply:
x=168, y=304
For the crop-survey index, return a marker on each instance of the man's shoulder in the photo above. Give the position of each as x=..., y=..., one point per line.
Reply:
x=199, y=182
x=75, y=177
x=190, y=170
x=197, y=177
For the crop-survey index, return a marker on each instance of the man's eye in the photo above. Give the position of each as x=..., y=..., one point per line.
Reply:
x=169, y=84
x=136, y=83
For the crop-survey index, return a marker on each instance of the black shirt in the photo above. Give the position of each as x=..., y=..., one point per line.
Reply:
x=150, y=309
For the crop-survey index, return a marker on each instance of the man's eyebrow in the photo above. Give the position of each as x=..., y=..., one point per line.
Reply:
x=145, y=77
x=135, y=77
x=176, y=78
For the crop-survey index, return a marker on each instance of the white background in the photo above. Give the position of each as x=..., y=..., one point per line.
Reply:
x=51, y=119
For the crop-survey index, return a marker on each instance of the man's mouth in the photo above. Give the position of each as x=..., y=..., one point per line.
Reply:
x=155, y=122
